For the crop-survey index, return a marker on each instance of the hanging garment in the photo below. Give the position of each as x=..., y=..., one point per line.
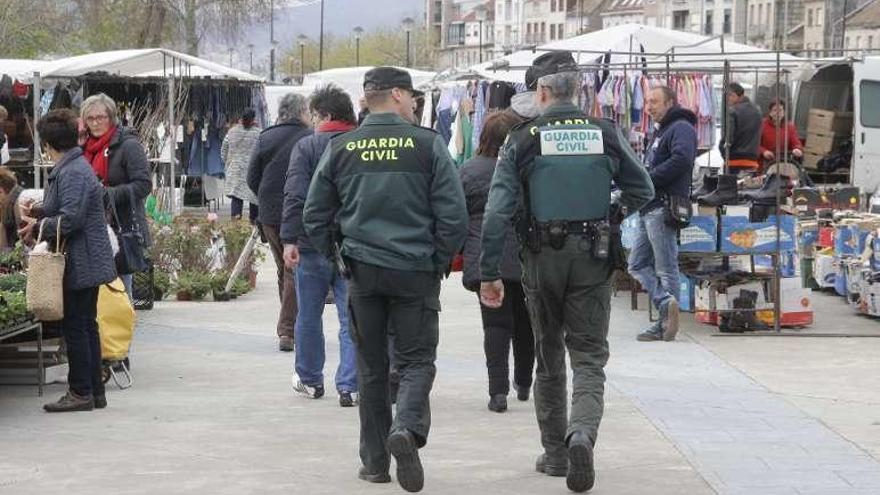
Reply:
x=427, y=109
x=500, y=93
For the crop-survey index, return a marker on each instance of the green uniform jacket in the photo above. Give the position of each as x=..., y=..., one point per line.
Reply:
x=506, y=190
x=394, y=191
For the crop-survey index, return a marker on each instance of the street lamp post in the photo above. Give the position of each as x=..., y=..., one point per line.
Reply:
x=407, y=26
x=321, y=41
x=230, y=56
x=302, y=57
x=251, y=51
x=480, y=11
x=272, y=40
x=358, y=32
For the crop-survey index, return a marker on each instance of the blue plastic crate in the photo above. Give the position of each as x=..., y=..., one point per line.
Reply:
x=849, y=240
x=739, y=236
x=686, y=294
x=701, y=236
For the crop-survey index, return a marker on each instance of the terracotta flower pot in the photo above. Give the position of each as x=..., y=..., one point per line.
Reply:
x=184, y=296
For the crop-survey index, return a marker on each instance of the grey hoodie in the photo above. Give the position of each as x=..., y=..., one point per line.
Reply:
x=523, y=104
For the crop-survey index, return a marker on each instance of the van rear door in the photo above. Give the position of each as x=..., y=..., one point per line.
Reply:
x=866, y=123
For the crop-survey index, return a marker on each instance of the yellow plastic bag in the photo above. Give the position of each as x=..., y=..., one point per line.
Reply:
x=116, y=320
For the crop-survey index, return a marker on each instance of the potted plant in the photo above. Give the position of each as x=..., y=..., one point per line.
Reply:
x=218, y=285
x=192, y=285
x=161, y=285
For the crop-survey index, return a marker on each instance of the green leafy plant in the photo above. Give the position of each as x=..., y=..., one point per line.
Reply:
x=12, y=260
x=161, y=285
x=13, y=282
x=195, y=284
x=13, y=308
x=240, y=286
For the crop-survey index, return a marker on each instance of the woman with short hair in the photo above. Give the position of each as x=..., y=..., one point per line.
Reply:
x=120, y=162
x=236, y=151
x=74, y=203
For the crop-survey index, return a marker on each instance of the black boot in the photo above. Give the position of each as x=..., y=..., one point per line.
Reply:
x=724, y=194
x=498, y=403
x=766, y=195
x=710, y=183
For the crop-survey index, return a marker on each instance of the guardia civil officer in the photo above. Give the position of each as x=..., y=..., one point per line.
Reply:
x=395, y=193
x=556, y=172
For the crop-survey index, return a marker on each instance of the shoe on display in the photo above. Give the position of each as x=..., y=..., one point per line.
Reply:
x=710, y=183
x=285, y=344
x=71, y=402
x=308, y=391
x=724, y=194
x=557, y=468
x=410, y=475
x=498, y=403
x=581, y=473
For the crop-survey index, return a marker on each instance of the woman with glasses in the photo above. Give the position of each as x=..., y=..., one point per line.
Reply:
x=119, y=161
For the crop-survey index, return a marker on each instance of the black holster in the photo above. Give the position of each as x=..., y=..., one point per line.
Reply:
x=528, y=233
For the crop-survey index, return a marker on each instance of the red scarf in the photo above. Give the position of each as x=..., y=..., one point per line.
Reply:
x=336, y=126
x=96, y=151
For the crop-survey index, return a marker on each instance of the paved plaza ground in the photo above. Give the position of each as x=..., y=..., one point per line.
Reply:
x=212, y=412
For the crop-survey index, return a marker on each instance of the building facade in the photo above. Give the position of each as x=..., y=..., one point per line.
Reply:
x=618, y=12
x=706, y=17
x=462, y=33
x=584, y=16
x=863, y=28
x=508, y=24
x=769, y=20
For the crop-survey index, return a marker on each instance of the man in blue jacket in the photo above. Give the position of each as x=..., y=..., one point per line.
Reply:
x=332, y=115
x=653, y=260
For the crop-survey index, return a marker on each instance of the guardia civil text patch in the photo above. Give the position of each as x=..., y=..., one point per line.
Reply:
x=572, y=142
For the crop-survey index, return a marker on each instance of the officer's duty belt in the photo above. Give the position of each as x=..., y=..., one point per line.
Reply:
x=578, y=227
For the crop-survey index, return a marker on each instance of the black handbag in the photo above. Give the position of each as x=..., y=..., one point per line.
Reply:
x=677, y=211
x=131, y=257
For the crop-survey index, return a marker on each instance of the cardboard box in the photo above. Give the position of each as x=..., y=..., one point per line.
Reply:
x=811, y=160
x=849, y=239
x=739, y=236
x=846, y=198
x=824, y=143
x=796, y=305
x=686, y=294
x=826, y=121
x=701, y=236
x=805, y=200
x=824, y=271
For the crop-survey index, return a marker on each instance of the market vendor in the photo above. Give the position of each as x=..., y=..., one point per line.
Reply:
x=744, y=131
x=778, y=134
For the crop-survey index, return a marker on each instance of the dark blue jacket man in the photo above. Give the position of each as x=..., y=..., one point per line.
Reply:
x=331, y=107
x=653, y=259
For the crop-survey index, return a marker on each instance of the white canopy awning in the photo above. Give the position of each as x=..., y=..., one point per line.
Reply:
x=20, y=69
x=623, y=44
x=150, y=62
x=351, y=79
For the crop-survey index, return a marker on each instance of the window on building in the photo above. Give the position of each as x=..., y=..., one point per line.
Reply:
x=553, y=30
x=708, y=28
x=761, y=14
x=819, y=19
x=727, y=28
x=809, y=17
x=846, y=43
x=858, y=42
x=680, y=20
x=752, y=15
x=870, y=103
x=552, y=5
x=870, y=42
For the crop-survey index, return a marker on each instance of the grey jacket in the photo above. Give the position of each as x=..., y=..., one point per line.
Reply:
x=74, y=197
x=745, y=123
x=129, y=177
x=236, y=151
x=476, y=177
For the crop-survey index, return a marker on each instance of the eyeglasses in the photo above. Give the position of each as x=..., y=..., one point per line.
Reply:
x=97, y=118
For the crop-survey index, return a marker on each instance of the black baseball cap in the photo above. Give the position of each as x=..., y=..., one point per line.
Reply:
x=381, y=78
x=549, y=64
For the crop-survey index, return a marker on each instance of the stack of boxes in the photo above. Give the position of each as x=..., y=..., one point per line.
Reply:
x=826, y=131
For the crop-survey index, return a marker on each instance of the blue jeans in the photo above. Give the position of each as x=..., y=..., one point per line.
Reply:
x=653, y=259
x=314, y=277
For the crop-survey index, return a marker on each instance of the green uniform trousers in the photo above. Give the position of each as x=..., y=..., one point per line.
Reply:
x=568, y=293
x=409, y=302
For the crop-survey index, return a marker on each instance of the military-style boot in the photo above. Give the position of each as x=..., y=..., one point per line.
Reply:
x=710, y=183
x=724, y=194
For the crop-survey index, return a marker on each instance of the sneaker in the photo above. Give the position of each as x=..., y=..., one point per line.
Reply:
x=498, y=403
x=550, y=468
x=100, y=401
x=311, y=392
x=410, y=474
x=347, y=399
x=71, y=402
x=373, y=477
x=581, y=474
x=285, y=344
x=653, y=333
x=522, y=393
x=670, y=323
